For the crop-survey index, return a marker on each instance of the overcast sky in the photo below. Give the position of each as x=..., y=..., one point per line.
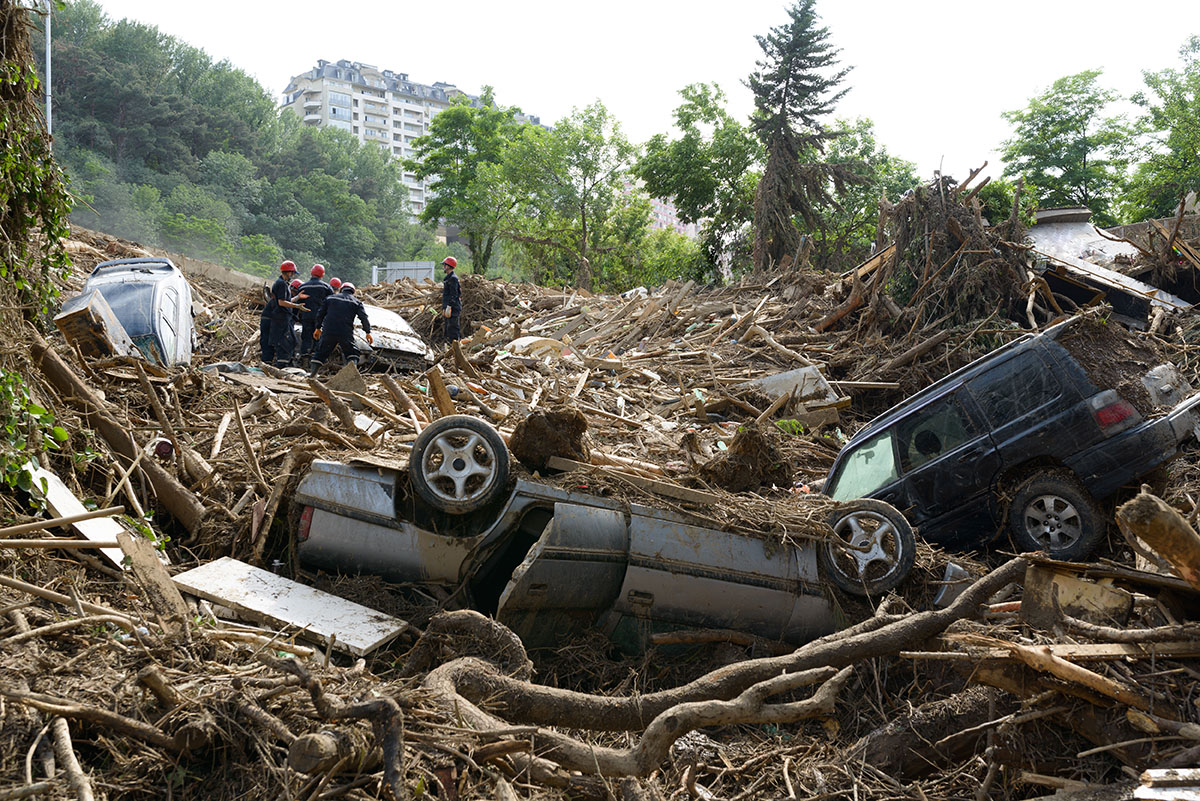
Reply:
x=934, y=75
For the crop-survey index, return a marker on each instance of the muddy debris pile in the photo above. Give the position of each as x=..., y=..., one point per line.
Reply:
x=1007, y=677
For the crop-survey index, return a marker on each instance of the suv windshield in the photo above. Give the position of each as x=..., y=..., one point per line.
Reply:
x=867, y=468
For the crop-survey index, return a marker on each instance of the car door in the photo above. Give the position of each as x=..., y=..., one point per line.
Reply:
x=947, y=464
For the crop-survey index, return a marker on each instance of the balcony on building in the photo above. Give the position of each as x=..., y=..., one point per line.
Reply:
x=312, y=102
x=313, y=117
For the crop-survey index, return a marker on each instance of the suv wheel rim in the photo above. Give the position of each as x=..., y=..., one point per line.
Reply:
x=1053, y=522
x=459, y=465
x=865, y=539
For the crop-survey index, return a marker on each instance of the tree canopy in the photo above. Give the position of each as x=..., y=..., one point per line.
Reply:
x=460, y=141
x=795, y=88
x=1069, y=153
x=710, y=171
x=1171, y=168
x=167, y=147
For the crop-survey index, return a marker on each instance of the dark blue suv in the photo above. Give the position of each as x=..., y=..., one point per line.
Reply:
x=1022, y=438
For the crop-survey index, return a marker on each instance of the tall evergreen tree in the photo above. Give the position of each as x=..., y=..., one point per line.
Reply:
x=795, y=87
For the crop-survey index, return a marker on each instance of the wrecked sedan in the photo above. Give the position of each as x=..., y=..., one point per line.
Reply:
x=144, y=306
x=548, y=561
x=397, y=344
x=1030, y=439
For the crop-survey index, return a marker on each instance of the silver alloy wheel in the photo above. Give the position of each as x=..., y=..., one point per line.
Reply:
x=1053, y=522
x=867, y=537
x=459, y=465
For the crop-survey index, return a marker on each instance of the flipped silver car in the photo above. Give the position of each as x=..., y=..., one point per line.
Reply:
x=548, y=562
x=142, y=306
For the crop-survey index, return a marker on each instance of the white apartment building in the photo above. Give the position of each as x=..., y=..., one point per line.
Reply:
x=377, y=106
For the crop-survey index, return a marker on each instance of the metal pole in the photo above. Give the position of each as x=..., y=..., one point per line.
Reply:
x=49, y=124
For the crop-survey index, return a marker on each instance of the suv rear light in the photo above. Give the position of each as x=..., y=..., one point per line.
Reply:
x=305, y=524
x=1113, y=413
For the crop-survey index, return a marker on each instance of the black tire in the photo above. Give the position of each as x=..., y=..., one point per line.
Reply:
x=478, y=465
x=1052, y=512
x=873, y=548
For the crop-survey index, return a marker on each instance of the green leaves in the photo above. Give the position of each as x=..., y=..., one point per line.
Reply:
x=1067, y=151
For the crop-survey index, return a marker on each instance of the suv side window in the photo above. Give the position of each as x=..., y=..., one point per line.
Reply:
x=1012, y=389
x=936, y=429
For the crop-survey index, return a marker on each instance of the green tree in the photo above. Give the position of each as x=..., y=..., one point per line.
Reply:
x=1067, y=151
x=571, y=186
x=1171, y=167
x=710, y=171
x=461, y=139
x=847, y=231
x=795, y=87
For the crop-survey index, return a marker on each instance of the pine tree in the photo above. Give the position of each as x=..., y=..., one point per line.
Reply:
x=795, y=87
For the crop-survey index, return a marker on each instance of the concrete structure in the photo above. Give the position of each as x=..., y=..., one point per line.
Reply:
x=381, y=107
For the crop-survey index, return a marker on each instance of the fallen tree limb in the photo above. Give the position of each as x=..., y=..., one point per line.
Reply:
x=177, y=499
x=535, y=704
x=64, y=751
x=119, y=723
x=1156, y=523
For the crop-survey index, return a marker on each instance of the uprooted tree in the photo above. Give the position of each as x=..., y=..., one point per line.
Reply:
x=794, y=89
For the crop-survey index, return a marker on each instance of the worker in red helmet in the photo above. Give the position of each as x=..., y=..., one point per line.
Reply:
x=335, y=282
x=318, y=292
x=335, y=327
x=277, y=340
x=451, y=299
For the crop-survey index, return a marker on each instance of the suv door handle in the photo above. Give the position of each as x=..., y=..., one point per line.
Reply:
x=889, y=497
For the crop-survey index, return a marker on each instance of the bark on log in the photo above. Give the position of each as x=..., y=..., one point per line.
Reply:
x=175, y=498
x=916, y=351
x=64, y=751
x=1157, y=524
x=535, y=704
x=320, y=751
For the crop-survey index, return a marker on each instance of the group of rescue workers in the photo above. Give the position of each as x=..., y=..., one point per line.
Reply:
x=326, y=313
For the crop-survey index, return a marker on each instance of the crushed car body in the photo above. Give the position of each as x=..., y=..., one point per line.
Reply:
x=547, y=561
x=133, y=307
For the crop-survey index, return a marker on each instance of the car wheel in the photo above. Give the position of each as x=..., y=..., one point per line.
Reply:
x=459, y=464
x=1052, y=512
x=872, y=550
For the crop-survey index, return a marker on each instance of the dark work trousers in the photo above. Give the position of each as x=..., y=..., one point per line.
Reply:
x=325, y=346
x=452, y=330
x=283, y=338
x=308, y=324
x=266, y=349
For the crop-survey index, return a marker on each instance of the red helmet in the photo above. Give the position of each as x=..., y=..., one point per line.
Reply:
x=450, y=261
x=295, y=283
x=335, y=282
x=318, y=270
x=288, y=266
x=348, y=288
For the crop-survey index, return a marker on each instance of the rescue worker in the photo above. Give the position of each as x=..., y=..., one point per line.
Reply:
x=335, y=327
x=335, y=283
x=276, y=337
x=451, y=299
x=317, y=291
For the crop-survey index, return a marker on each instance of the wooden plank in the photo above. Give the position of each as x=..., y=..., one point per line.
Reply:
x=1099, y=652
x=155, y=582
x=280, y=602
x=64, y=544
x=42, y=525
x=649, y=484
x=63, y=503
x=441, y=396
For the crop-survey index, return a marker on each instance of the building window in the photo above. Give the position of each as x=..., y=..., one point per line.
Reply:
x=345, y=126
x=339, y=113
x=339, y=99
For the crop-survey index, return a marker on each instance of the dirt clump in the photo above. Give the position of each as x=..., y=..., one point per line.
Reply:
x=1113, y=357
x=546, y=433
x=754, y=459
